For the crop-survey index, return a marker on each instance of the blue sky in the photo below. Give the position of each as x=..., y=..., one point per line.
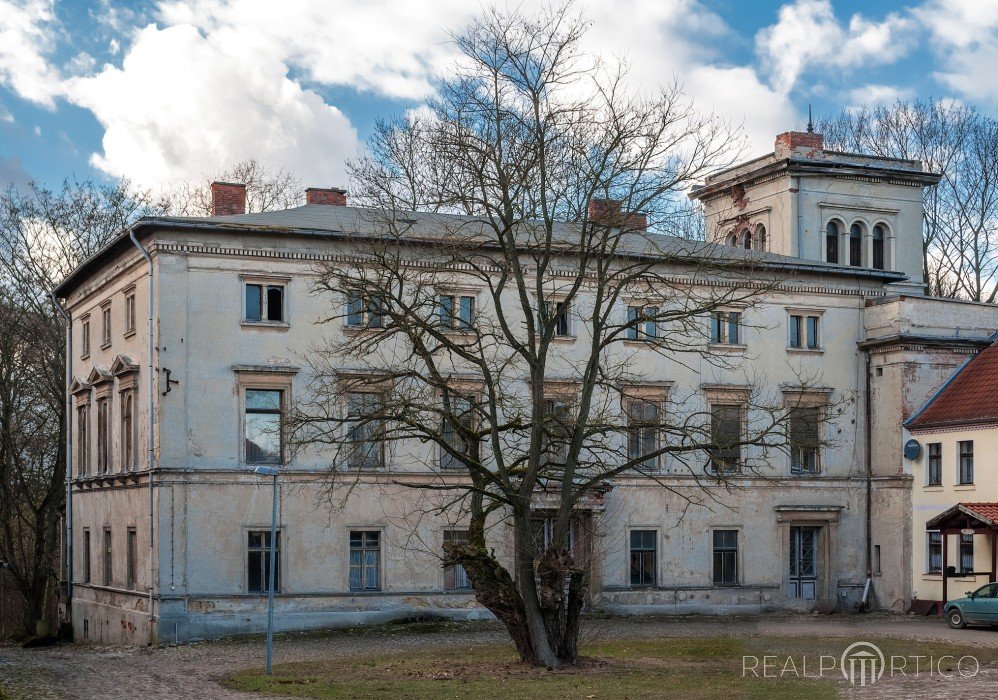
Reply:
x=177, y=89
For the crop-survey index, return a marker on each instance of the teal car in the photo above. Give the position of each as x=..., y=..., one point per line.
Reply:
x=978, y=608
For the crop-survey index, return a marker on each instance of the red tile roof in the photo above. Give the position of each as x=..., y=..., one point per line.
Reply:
x=970, y=396
x=986, y=513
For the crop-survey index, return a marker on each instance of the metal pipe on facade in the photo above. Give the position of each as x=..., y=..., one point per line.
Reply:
x=152, y=426
x=69, y=455
x=869, y=485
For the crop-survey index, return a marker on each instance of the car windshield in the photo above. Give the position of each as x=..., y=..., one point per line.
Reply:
x=985, y=591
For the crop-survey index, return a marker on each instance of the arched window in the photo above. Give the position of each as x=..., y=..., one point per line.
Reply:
x=856, y=245
x=732, y=239
x=747, y=239
x=760, y=237
x=878, y=246
x=832, y=242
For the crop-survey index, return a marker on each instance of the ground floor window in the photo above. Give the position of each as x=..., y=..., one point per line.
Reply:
x=131, y=555
x=455, y=577
x=258, y=562
x=86, y=556
x=725, y=557
x=935, y=558
x=365, y=560
x=643, y=557
x=966, y=552
x=107, y=556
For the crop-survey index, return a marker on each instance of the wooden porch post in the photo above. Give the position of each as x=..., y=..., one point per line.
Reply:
x=945, y=537
x=994, y=554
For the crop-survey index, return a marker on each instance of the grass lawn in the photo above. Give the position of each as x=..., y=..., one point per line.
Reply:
x=699, y=668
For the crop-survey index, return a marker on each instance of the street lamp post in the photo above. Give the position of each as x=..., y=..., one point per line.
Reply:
x=271, y=471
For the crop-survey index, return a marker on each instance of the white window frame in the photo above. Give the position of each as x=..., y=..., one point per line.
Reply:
x=264, y=281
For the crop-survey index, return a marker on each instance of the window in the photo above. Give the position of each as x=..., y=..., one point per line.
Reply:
x=855, y=245
x=935, y=558
x=86, y=556
x=725, y=557
x=832, y=242
x=804, y=332
x=365, y=312
x=365, y=560
x=641, y=322
x=130, y=313
x=966, y=553
x=966, y=448
x=265, y=303
x=760, y=237
x=805, y=423
x=127, y=430
x=725, y=327
x=365, y=430
x=105, y=326
x=934, y=475
x=725, y=435
x=83, y=440
x=558, y=311
x=263, y=439
x=455, y=577
x=131, y=557
x=878, y=247
x=85, y=337
x=103, y=436
x=462, y=409
x=643, y=429
x=747, y=239
x=557, y=431
x=643, y=551
x=258, y=562
x=455, y=312
x=107, y=556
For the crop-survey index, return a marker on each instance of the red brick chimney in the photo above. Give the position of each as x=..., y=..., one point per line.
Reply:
x=332, y=196
x=609, y=212
x=228, y=198
x=806, y=140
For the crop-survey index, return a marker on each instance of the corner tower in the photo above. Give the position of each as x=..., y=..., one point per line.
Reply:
x=829, y=206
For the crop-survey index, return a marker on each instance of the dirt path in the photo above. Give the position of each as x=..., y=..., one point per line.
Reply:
x=193, y=671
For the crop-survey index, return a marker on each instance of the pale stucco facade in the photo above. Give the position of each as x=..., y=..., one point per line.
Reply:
x=205, y=499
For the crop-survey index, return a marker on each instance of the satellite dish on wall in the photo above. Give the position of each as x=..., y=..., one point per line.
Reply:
x=912, y=449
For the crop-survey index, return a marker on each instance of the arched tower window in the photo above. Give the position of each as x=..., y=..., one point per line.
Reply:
x=732, y=239
x=747, y=239
x=760, y=237
x=832, y=242
x=879, y=238
x=856, y=245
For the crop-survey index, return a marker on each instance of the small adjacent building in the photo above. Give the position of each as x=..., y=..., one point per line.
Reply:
x=955, y=488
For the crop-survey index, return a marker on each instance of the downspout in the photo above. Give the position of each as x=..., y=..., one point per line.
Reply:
x=152, y=426
x=869, y=489
x=69, y=456
x=800, y=217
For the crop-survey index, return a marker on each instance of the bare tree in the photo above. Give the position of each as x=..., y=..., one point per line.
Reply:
x=43, y=236
x=961, y=221
x=539, y=183
x=266, y=190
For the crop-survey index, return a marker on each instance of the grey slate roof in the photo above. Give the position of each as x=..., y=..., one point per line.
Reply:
x=328, y=221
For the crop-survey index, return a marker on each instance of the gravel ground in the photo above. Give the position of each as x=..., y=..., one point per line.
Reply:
x=193, y=671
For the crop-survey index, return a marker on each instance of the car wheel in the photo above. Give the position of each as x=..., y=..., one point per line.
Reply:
x=955, y=619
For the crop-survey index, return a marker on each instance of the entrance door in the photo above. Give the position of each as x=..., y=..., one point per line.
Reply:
x=803, y=563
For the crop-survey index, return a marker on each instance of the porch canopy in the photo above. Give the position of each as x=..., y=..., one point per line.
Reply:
x=967, y=518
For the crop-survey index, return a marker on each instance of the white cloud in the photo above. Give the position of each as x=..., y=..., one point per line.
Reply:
x=5, y=116
x=113, y=47
x=181, y=105
x=964, y=36
x=807, y=33
x=27, y=38
x=873, y=94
